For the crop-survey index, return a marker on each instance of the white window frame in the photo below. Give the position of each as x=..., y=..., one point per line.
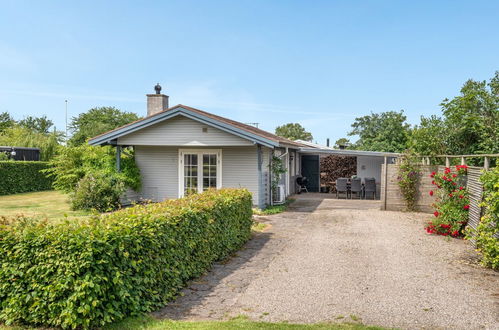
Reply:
x=200, y=153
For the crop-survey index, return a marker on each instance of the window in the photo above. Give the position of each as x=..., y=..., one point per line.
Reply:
x=199, y=170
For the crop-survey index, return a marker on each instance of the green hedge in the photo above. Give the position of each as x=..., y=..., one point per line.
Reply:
x=20, y=176
x=86, y=273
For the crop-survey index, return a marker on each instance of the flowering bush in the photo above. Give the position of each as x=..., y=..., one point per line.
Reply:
x=408, y=180
x=452, y=203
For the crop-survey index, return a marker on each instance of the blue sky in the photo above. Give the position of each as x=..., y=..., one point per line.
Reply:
x=319, y=63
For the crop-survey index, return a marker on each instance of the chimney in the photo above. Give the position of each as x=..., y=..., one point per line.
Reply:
x=327, y=142
x=156, y=102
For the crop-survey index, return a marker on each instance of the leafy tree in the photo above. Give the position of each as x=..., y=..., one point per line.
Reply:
x=385, y=131
x=6, y=121
x=472, y=118
x=19, y=136
x=293, y=131
x=342, y=142
x=97, y=121
x=429, y=137
x=37, y=124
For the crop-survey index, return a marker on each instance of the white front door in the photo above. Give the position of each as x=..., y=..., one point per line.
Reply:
x=199, y=170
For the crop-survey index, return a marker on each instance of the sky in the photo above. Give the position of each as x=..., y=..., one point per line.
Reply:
x=317, y=63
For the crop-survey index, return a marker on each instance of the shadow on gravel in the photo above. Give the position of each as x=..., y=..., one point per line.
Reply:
x=221, y=284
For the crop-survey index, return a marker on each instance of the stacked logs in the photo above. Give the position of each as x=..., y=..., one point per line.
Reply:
x=333, y=167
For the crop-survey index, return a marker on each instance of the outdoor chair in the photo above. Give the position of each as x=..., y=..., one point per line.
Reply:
x=356, y=187
x=342, y=187
x=302, y=182
x=370, y=187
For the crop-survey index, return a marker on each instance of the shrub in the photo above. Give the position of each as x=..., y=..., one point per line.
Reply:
x=452, y=203
x=87, y=273
x=23, y=176
x=98, y=191
x=408, y=180
x=89, y=174
x=486, y=235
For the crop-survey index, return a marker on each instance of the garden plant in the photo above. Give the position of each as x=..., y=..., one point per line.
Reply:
x=452, y=202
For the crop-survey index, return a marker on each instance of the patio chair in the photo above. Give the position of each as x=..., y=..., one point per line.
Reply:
x=302, y=182
x=370, y=187
x=342, y=187
x=356, y=187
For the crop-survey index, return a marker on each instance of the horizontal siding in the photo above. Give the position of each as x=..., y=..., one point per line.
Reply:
x=240, y=169
x=159, y=172
x=182, y=131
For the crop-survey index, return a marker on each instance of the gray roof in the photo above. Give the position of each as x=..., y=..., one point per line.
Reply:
x=314, y=148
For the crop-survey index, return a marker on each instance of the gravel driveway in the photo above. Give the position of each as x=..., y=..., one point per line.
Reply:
x=326, y=260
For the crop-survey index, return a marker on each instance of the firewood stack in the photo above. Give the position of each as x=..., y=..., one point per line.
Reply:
x=333, y=167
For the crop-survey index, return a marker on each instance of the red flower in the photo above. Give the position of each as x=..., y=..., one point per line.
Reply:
x=433, y=182
x=454, y=175
x=466, y=207
x=455, y=233
x=436, y=213
x=444, y=177
x=455, y=184
x=431, y=192
x=461, y=196
x=461, y=188
x=450, y=195
x=432, y=174
x=447, y=170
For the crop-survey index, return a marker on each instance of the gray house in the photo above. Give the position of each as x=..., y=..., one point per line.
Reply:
x=183, y=149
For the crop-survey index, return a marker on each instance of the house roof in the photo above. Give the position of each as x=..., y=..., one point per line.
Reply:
x=243, y=130
x=317, y=148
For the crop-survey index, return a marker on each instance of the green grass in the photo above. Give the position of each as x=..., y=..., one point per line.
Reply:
x=259, y=226
x=241, y=322
x=51, y=204
x=274, y=209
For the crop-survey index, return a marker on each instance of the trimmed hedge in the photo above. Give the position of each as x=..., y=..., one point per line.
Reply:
x=23, y=176
x=87, y=273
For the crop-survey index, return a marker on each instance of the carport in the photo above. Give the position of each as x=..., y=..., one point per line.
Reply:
x=368, y=164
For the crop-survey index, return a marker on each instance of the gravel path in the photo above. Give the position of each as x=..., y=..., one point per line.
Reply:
x=328, y=261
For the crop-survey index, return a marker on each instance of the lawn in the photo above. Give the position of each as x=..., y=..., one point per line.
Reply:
x=50, y=204
x=149, y=323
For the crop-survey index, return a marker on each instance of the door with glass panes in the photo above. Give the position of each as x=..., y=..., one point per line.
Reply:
x=199, y=170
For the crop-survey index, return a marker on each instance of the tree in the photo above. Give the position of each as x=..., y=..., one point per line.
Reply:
x=342, y=142
x=37, y=124
x=6, y=121
x=19, y=136
x=97, y=121
x=293, y=131
x=472, y=118
x=385, y=131
x=429, y=137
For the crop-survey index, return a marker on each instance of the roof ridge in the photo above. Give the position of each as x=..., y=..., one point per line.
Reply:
x=246, y=127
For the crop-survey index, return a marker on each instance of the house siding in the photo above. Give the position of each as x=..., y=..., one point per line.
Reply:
x=182, y=131
x=240, y=169
x=159, y=170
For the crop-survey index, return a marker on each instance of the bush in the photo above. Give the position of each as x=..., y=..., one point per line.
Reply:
x=87, y=273
x=23, y=176
x=452, y=203
x=98, y=191
x=487, y=233
x=408, y=180
x=73, y=163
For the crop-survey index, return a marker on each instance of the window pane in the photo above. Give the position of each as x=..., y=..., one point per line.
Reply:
x=213, y=159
